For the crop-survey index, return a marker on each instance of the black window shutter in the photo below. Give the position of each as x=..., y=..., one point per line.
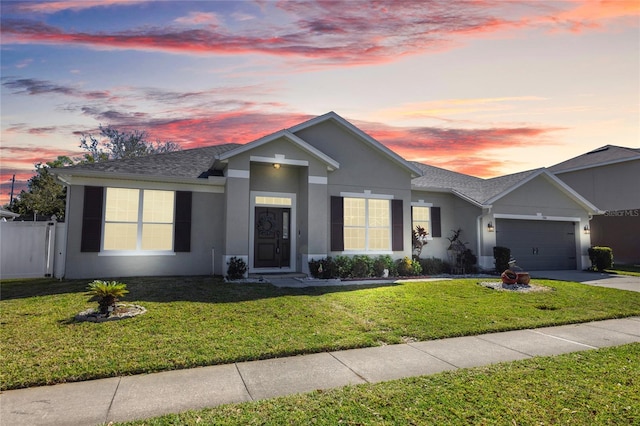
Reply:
x=182, y=227
x=92, y=219
x=397, y=229
x=337, y=224
x=436, y=228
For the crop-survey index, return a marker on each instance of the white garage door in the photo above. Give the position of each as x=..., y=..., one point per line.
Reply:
x=538, y=245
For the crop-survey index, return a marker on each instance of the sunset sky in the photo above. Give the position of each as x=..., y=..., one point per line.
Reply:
x=481, y=87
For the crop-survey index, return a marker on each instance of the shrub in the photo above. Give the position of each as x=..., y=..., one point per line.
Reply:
x=324, y=268
x=382, y=262
x=344, y=266
x=601, y=258
x=408, y=267
x=314, y=268
x=501, y=256
x=468, y=260
x=107, y=293
x=433, y=266
x=237, y=268
x=362, y=266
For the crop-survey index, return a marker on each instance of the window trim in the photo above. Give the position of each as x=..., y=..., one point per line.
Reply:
x=367, y=227
x=139, y=225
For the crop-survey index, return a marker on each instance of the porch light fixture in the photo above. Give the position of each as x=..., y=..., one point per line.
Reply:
x=276, y=166
x=586, y=229
x=490, y=227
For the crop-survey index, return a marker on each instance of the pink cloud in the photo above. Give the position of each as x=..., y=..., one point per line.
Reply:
x=331, y=32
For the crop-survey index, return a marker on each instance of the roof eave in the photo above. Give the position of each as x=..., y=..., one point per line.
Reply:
x=74, y=178
x=329, y=162
x=591, y=166
x=451, y=191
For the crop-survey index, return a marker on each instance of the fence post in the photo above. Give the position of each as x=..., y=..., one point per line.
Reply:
x=50, y=247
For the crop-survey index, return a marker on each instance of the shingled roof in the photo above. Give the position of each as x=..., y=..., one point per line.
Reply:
x=189, y=163
x=608, y=154
x=473, y=188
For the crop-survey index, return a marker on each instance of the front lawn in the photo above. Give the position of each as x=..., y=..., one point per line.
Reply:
x=195, y=321
x=597, y=387
x=633, y=270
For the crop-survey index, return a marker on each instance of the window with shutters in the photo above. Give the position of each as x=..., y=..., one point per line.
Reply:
x=367, y=224
x=427, y=217
x=138, y=220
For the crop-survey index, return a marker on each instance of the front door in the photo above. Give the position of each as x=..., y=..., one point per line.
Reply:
x=272, y=246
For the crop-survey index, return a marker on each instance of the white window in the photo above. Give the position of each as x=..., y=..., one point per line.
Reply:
x=137, y=219
x=367, y=224
x=421, y=216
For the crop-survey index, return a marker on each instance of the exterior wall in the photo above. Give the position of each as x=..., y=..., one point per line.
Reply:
x=613, y=188
x=540, y=199
x=362, y=166
x=206, y=235
x=455, y=213
x=301, y=175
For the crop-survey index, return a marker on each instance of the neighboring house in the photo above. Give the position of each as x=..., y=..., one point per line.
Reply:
x=321, y=188
x=609, y=177
x=7, y=215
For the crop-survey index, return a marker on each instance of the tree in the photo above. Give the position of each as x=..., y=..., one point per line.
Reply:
x=121, y=144
x=45, y=196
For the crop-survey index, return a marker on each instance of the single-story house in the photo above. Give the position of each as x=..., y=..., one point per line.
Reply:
x=609, y=177
x=320, y=188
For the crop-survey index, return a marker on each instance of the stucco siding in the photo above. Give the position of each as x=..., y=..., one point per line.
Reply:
x=363, y=165
x=207, y=213
x=538, y=196
x=610, y=187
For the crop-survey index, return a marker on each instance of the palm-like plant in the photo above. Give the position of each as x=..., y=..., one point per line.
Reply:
x=107, y=293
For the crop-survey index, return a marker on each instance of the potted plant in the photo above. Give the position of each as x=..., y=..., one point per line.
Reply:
x=509, y=277
x=107, y=293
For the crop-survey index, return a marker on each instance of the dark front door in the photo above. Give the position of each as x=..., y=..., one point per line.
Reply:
x=272, y=245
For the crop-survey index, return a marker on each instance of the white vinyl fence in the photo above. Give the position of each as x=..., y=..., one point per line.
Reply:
x=32, y=249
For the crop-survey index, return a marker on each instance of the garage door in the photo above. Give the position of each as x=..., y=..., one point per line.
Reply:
x=538, y=245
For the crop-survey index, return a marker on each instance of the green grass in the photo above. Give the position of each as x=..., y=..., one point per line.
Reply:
x=195, y=321
x=633, y=270
x=597, y=387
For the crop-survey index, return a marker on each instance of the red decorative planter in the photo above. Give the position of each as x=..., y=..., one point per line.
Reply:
x=509, y=277
x=523, y=278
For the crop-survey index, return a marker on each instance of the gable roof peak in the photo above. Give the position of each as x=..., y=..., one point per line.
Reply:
x=333, y=116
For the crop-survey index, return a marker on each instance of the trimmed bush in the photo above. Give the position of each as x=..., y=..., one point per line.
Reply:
x=324, y=268
x=433, y=266
x=468, y=260
x=501, y=256
x=344, y=265
x=382, y=262
x=362, y=266
x=408, y=267
x=237, y=268
x=601, y=258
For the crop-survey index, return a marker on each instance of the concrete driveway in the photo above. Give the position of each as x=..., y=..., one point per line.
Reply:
x=621, y=282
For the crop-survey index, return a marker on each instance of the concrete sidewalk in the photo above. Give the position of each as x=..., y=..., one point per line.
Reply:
x=142, y=396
